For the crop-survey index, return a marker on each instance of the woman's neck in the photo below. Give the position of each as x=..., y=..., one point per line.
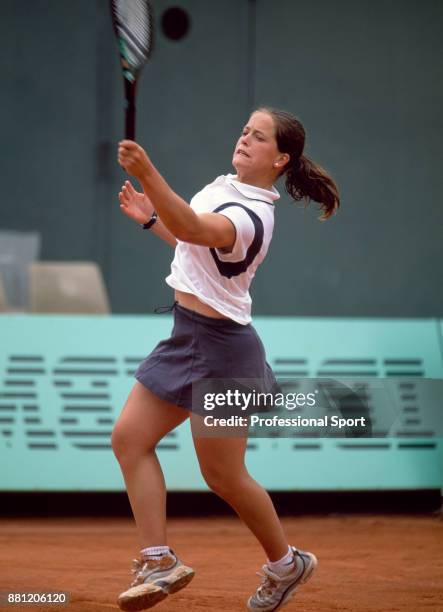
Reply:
x=262, y=183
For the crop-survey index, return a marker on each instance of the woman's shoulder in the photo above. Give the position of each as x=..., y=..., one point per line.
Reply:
x=226, y=189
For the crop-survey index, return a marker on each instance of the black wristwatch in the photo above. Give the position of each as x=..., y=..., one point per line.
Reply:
x=151, y=221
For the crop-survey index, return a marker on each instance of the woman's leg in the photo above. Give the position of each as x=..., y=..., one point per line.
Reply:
x=143, y=422
x=222, y=465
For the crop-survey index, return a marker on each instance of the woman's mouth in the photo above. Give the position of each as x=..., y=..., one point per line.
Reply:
x=241, y=152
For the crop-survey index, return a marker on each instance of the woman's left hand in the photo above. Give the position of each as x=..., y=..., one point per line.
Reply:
x=133, y=158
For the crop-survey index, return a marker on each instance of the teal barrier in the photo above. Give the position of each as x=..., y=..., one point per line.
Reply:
x=65, y=379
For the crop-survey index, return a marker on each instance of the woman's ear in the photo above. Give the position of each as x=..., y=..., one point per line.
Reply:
x=282, y=160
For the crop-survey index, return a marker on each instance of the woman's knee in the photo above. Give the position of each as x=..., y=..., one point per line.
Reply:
x=143, y=422
x=221, y=481
x=126, y=447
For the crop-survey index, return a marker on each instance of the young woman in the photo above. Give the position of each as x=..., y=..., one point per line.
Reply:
x=219, y=240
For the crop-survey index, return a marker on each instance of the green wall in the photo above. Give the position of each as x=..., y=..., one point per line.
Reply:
x=64, y=381
x=364, y=76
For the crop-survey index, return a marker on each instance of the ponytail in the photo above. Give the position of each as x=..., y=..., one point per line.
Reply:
x=304, y=178
x=307, y=180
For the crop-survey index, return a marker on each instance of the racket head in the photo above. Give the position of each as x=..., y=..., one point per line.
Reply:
x=133, y=25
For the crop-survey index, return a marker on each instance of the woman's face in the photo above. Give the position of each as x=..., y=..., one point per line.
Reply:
x=256, y=155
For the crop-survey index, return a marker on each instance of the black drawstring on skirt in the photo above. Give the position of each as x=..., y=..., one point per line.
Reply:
x=164, y=309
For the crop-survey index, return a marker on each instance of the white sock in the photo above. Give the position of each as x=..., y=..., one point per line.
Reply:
x=283, y=566
x=155, y=552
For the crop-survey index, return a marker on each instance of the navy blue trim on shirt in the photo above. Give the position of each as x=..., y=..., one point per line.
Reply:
x=234, y=268
x=250, y=198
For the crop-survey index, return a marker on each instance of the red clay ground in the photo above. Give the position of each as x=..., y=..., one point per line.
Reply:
x=366, y=563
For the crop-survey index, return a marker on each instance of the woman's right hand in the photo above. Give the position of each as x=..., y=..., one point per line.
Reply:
x=137, y=206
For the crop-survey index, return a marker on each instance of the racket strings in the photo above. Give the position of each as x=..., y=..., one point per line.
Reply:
x=133, y=23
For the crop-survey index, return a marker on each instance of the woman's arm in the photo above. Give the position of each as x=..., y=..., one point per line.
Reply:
x=138, y=207
x=207, y=229
x=160, y=230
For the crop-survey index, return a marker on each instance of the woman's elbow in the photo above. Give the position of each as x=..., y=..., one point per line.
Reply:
x=183, y=235
x=191, y=234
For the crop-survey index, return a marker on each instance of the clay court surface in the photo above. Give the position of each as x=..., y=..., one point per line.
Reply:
x=366, y=563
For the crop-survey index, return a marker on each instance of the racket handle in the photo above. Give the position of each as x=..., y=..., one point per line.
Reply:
x=130, y=110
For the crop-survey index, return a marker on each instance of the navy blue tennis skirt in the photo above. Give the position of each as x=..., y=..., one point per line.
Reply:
x=202, y=348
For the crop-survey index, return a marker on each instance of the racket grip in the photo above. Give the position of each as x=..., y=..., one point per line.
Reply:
x=129, y=110
x=130, y=122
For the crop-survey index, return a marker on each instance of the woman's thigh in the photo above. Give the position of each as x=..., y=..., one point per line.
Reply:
x=144, y=420
x=221, y=459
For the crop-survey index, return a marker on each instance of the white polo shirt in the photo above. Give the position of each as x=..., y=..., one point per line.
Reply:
x=222, y=280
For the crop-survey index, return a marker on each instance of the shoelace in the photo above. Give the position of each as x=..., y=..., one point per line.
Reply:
x=137, y=570
x=139, y=567
x=267, y=586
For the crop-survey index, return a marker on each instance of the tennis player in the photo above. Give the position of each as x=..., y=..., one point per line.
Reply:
x=220, y=239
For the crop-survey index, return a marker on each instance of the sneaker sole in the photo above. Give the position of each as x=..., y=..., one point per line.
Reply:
x=144, y=596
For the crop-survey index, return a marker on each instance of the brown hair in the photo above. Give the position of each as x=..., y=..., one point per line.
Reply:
x=304, y=178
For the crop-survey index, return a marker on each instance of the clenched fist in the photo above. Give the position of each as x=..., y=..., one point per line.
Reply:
x=133, y=158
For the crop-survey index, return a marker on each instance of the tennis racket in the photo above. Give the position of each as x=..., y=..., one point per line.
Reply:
x=133, y=26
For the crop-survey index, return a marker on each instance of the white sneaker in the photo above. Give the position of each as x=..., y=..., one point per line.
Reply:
x=274, y=590
x=154, y=581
